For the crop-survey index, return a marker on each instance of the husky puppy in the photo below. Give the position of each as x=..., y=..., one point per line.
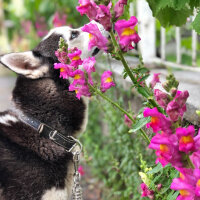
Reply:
x=32, y=167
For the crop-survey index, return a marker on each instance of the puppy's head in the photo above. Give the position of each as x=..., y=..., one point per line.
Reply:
x=39, y=62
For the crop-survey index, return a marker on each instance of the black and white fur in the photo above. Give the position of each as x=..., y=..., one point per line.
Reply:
x=31, y=167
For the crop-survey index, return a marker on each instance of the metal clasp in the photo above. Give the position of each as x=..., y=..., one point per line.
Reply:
x=52, y=135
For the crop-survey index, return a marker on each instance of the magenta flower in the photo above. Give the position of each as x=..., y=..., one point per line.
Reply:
x=88, y=65
x=127, y=33
x=41, y=27
x=59, y=19
x=106, y=81
x=80, y=90
x=161, y=97
x=195, y=158
x=88, y=7
x=62, y=56
x=177, y=107
x=127, y=121
x=104, y=16
x=187, y=184
x=79, y=77
x=119, y=8
x=74, y=55
x=26, y=25
x=146, y=192
x=81, y=170
x=95, y=36
x=158, y=120
x=155, y=80
x=186, y=140
x=65, y=70
x=166, y=147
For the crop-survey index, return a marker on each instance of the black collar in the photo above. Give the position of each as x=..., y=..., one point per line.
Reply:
x=67, y=142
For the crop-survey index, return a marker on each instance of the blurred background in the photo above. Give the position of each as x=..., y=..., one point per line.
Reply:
x=112, y=158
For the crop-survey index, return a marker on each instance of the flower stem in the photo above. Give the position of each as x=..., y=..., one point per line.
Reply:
x=190, y=164
x=148, y=93
x=123, y=59
x=97, y=91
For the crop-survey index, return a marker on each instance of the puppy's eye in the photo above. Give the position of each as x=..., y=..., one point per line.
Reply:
x=74, y=34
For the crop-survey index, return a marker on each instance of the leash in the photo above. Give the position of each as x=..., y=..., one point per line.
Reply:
x=69, y=143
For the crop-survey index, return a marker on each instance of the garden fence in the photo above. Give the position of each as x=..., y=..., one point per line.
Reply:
x=147, y=46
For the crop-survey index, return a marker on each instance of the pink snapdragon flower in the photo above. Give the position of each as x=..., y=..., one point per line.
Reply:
x=65, y=70
x=106, y=81
x=155, y=80
x=127, y=33
x=146, y=192
x=104, y=16
x=95, y=36
x=127, y=121
x=79, y=77
x=81, y=170
x=74, y=55
x=41, y=27
x=59, y=19
x=195, y=158
x=119, y=8
x=186, y=139
x=88, y=65
x=166, y=147
x=26, y=25
x=161, y=97
x=188, y=184
x=88, y=7
x=159, y=122
x=80, y=90
x=62, y=56
x=177, y=107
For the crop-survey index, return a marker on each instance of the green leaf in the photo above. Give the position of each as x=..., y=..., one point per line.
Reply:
x=194, y=3
x=139, y=124
x=196, y=23
x=156, y=169
x=168, y=16
x=143, y=92
x=178, y=4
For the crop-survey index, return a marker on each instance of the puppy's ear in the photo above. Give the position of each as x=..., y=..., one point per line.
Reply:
x=25, y=64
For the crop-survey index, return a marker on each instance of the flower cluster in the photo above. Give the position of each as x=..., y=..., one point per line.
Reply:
x=173, y=143
x=126, y=33
x=59, y=20
x=80, y=71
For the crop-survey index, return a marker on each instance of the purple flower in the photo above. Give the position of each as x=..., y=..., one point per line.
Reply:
x=146, y=192
x=159, y=122
x=74, y=55
x=88, y=7
x=186, y=140
x=161, y=97
x=119, y=8
x=88, y=65
x=155, y=80
x=95, y=36
x=177, y=106
x=127, y=121
x=59, y=19
x=127, y=33
x=104, y=16
x=106, y=81
x=166, y=147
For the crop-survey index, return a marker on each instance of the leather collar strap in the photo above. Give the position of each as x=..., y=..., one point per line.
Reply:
x=67, y=142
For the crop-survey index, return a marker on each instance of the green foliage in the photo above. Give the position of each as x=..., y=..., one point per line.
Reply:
x=175, y=12
x=119, y=159
x=196, y=23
